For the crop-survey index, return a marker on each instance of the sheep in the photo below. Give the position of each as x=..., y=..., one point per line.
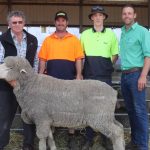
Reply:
x=47, y=101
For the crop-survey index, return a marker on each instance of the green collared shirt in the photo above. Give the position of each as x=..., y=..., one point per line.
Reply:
x=134, y=46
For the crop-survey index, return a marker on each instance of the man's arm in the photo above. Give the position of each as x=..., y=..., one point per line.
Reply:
x=143, y=77
x=36, y=63
x=114, y=58
x=79, y=67
x=42, y=66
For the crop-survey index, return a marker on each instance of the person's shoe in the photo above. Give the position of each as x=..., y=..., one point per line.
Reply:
x=27, y=147
x=131, y=146
x=87, y=146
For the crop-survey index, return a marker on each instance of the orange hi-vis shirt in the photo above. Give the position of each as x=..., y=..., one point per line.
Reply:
x=67, y=48
x=61, y=54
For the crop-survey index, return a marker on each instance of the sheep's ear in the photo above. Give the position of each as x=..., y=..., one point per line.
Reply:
x=23, y=71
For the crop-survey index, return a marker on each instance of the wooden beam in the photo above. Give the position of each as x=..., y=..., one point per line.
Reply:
x=81, y=16
x=72, y=4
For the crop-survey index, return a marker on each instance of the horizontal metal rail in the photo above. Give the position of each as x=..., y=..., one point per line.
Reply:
x=122, y=100
x=20, y=130
x=116, y=114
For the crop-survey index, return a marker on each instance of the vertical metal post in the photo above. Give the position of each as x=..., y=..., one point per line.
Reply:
x=81, y=15
x=9, y=5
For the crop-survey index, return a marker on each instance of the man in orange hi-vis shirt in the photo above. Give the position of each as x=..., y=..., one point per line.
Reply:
x=61, y=55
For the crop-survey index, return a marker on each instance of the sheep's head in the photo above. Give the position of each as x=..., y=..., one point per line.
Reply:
x=14, y=68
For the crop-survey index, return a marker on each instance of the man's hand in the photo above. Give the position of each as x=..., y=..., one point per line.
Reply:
x=142, y=83
x=143, y=78
x=13, y=83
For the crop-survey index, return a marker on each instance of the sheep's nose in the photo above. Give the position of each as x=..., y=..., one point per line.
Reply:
x=3, y=71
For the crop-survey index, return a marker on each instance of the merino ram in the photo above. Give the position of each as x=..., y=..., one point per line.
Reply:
x=47, y=101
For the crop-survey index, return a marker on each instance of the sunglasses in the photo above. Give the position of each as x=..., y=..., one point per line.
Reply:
x=97, y=8
x=17, y=22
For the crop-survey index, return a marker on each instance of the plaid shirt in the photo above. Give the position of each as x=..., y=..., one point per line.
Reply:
x=20, y=46
x=21, y=50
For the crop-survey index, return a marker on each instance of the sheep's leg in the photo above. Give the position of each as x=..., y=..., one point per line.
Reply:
x=117, y=137
x=51, y=142
x=42, y=144
x=115, y=132
x=118, y=123
x=43, y=128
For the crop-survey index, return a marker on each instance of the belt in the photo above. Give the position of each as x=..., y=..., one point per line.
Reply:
x=132, y=70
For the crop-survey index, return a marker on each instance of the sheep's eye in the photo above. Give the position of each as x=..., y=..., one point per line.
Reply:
x=10, y=67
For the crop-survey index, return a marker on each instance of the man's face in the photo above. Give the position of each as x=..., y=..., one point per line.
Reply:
x=128, y=15
x=98, y=19
x=16, y=24
x=61, y=24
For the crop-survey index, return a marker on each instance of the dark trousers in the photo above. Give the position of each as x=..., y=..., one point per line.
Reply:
x=89, y=130
x=8, y=107
x=135, y=102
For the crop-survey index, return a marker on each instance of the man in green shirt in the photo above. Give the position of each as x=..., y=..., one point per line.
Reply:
x=101, y=51
x=135, y=64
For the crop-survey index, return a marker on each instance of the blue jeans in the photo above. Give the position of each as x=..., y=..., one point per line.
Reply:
x=135, y=102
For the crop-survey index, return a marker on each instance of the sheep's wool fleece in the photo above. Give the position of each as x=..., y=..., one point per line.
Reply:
x=69, y=103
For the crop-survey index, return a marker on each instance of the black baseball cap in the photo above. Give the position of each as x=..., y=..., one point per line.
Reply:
x=61, y=14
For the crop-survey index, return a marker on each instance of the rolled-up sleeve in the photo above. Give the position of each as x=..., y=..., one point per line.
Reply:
x=146, y=43
x=43, y=50
x=114, y=45
x=79, y=51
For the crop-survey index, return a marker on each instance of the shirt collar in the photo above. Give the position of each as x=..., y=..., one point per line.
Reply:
x=132, y=27
x=67, y=35
x=93, y=29
x=14, y=36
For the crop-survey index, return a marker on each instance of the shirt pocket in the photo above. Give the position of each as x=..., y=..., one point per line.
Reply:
x=132, y=42
x=106, y=44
